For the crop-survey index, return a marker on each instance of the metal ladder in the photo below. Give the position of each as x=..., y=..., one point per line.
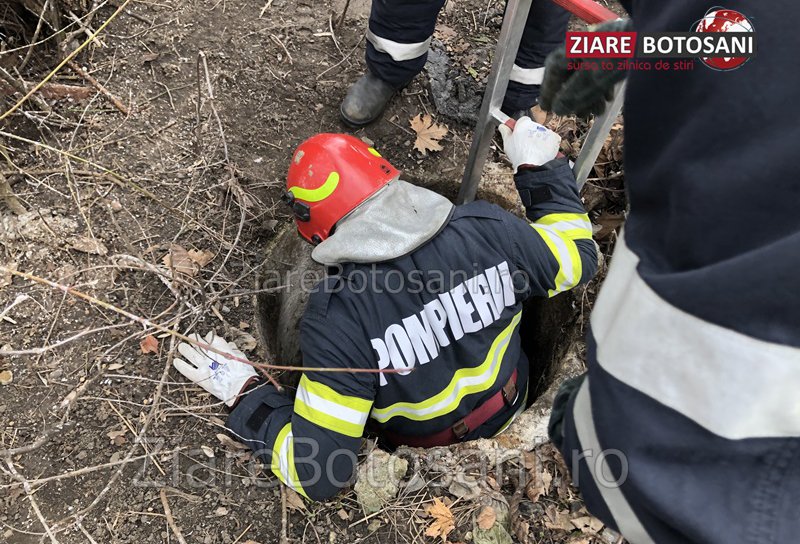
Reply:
x=490, y=115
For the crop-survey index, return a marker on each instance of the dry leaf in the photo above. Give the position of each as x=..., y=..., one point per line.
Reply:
x=535, y=487
x=547, y=479
x=606, y=223
x=201, y=256
x=588, y=524
x=117, y=437
x=443, y=521
x=522, y=529
x=230, y=443
x=6, y=377
x=557, y=519
x=114, y=434
x=7, y=195
x=149, y=344
x=486, y=518
x=208, y=452
x=89, y=245
x=7, y=277
x=115, y=366
x=294, y=500
x=244, y=340
x=178, y=259
x=428, y=133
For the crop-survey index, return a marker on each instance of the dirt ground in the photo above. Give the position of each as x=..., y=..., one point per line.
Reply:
x=100, y=439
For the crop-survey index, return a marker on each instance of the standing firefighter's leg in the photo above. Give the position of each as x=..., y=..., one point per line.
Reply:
x=398, y=37
x=544, y=31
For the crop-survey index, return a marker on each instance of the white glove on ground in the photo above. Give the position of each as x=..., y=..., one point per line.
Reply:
x=222, y=377
x=529, y=143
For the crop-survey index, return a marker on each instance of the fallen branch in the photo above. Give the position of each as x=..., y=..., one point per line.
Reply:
x=52, y=91
x=170, y=520
x=102, y=90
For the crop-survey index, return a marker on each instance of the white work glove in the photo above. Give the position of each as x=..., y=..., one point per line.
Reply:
x=222, y=377
x=529, y=143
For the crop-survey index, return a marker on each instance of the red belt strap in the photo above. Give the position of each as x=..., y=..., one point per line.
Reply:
x=480, y=415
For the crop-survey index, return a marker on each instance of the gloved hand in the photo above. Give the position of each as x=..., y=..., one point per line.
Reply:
x=222, y=377
x=529, y=143
x=582, y=92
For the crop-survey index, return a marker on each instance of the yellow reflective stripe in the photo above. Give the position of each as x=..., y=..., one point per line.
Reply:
x=326, y=392
x=320, y=193
x=373, y=151
x=282, y=463
x=574, y=226
x=566, y=254
x=331, y=410
x=465, y=381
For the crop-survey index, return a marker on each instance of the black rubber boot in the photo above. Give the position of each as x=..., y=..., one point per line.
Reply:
x=366, y=100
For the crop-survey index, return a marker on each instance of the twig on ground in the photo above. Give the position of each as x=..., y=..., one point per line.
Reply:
x=333, y=35
x=210, y=90
x=86, y=534
x=279, y=42
x=340, y=21
x=29, y=492
x=133, y=432
x=35, y=36
x=38, y=443
x=241, y=536
x=44, y=349
x=353, y=50
x=68, y=58
x=19, y=300
x=9, y=85
x=170, y=520
x=284, y=517
x=84, y=28
x=265, y=8
x=102, y=90
x=129, y=261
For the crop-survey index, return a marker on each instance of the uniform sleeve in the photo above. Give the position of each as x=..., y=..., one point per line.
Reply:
x=554, y=248
x=311, y=444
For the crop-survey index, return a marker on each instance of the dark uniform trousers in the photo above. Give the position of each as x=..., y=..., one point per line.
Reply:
x=400, y=33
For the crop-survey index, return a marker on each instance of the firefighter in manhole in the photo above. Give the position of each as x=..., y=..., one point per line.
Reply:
x=428, y=292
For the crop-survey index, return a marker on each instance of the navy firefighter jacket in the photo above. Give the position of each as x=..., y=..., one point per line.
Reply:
x=444, y=319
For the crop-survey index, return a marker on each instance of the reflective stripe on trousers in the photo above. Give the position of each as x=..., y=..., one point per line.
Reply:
x=398, y=51
x=733, y=385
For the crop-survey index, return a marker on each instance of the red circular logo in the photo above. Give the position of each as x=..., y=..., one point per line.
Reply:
x=724, y=20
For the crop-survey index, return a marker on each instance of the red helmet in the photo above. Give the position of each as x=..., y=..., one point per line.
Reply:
x=330, y=175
